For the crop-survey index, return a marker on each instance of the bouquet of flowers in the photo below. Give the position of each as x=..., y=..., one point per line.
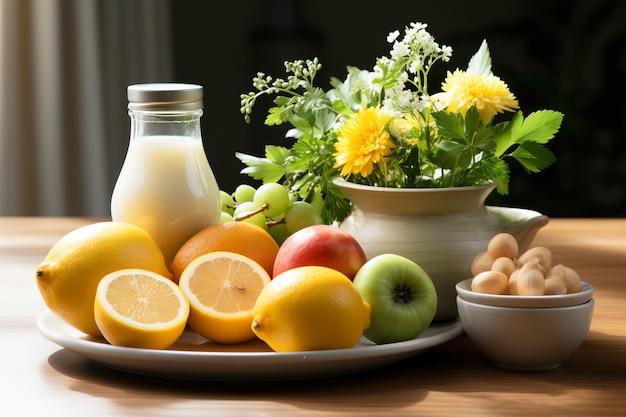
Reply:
x=383, y=128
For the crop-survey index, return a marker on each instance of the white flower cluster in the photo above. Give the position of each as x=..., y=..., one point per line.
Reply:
x=399, y=101
x=419, y=46
x=415, y=53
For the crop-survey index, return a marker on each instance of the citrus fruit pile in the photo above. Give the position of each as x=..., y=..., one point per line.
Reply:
x=69, y=275
x=109, y=280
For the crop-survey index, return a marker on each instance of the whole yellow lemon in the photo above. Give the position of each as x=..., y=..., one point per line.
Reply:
x=310, y=308
x=69, y=275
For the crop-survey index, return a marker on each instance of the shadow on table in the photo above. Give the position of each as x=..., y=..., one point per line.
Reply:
x=455, y=367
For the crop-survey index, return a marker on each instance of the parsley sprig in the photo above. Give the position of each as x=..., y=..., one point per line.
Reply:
x=307, y=167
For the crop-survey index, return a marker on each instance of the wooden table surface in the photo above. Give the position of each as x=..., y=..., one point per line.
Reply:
x=38, y=378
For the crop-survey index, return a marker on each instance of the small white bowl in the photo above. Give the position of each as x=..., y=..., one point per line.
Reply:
x=526, y=338
x=463, y=289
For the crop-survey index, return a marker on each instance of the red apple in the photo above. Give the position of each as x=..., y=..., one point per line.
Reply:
x=321, y=245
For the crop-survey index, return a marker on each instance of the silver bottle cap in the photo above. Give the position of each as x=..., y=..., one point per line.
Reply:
x=165, y=97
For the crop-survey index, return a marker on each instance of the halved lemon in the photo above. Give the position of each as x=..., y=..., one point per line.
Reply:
x=222, y=288
x=141, y=309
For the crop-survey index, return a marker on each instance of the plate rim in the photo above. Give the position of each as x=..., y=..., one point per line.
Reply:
x=51, y=327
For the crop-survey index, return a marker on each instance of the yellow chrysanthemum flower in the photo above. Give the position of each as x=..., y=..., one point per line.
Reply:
x=401, y=127
x=462, y=90
x=362, y=142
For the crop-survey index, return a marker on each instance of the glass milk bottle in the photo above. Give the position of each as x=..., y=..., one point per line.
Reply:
x=166, y=185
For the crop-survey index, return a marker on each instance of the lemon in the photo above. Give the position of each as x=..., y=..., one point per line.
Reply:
x=310, y=308
x=70, y=273
x=222, y=288
x=140, y=309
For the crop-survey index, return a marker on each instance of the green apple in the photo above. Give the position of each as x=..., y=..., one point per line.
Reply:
x=402, y=297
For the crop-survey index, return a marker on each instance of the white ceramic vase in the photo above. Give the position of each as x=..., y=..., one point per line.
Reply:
x=441, y=229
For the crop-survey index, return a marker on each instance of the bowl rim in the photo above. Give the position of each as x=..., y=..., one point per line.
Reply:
x=589, y=303
x=525, y=301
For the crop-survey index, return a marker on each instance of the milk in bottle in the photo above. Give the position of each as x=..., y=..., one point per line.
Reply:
x=166, y=185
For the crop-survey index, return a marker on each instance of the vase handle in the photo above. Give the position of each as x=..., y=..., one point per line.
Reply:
x=523, y=224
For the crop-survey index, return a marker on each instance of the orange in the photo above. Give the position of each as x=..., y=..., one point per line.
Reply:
x=141, y=309
x=239, y=237
x=222, y=288
x=310, y=308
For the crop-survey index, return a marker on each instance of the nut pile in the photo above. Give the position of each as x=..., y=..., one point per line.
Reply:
x=501, y=269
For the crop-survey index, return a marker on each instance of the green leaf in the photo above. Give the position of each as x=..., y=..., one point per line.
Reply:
x=452, y=155
x=505, y=139
x=276, y=116
x=540, y=127
x=282, y=101
x=501, y=172
x=336, y=205
x=473, y=125
x=341, y=107
x=533, y=156
x=276, y=154
x=449, y=125
x=490, y=170
x=484, y=138
x=261, y=168
x=356, y=91
x=303, y=125
x=480, y=63
x=324, y=119
x=391, y=75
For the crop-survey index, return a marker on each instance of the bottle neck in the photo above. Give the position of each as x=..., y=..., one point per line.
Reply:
x=178, y=125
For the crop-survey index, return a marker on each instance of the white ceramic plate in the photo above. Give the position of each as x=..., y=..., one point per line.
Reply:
x=193, y=357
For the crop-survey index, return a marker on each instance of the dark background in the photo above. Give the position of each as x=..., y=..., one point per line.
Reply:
x=568, y=56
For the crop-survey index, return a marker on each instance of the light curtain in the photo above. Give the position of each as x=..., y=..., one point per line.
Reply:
x=64, y=69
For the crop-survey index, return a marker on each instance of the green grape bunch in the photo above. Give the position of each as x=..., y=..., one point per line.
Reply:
x=270, y=206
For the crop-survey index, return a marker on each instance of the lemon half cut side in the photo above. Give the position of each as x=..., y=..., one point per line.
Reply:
x=141, y=309
x=222, y=288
